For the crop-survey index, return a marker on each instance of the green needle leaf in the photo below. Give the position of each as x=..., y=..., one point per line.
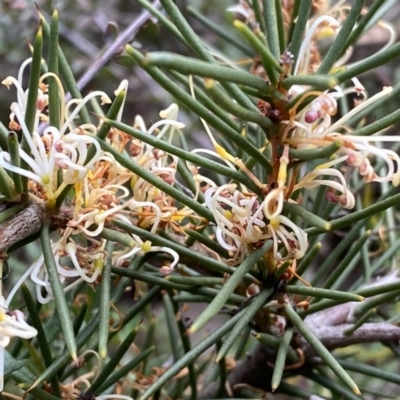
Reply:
x=42, y=395
x=31, y=104
x=370, y=371
x=161, y=17
x=221, y=32
x=378, y=125
x=192, y=40
x=172, y=327
x=13, y=148
x=360, y=321
x=187, y=347
x=269, y=62
x=110, y=366
x=271, y=26
x=78, y=321
x=307, y=216
x=191, y=66
x=320, y=349
x=207, y=293
x=58, y=292
x=314, y=154
x=340, y=41
x=54, y=99
x=362, y=24
x=342, y=269
x=10, y=212
x=66, y=72
x=281, y=35
x=195, y=280
x=274, y=342
x=123, y=371
x=6, y=185
x=211, y=244
x=223, y=100
x=299, y=25
x=319, y=82
x=105, y=301
x=333, y=386
x=363, y=308
x=323, y=293
x=192, y=355
x=369, y=63
x=362, y=214
x=307, y=259
x=149, y=278
x=216, y=305
x=183, y=251
x=250, y=311
x=281, y=359
x=41, y=336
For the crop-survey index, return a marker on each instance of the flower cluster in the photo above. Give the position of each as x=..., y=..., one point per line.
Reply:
x=71, y=157
x=53, y=150
x=244, y=219
x=311, y=127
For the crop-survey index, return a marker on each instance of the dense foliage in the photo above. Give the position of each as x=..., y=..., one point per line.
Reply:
x=260, y=221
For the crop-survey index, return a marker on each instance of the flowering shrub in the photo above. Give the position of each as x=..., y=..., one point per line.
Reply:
x=237, y=225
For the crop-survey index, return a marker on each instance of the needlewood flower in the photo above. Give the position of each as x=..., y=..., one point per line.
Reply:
x=104, y=191
x=54, y=149
x=12, y=324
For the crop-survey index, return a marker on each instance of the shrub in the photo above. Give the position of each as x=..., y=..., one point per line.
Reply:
x=285, y=222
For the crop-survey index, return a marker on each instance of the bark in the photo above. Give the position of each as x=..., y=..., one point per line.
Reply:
x=254, y=370
x=28, y=222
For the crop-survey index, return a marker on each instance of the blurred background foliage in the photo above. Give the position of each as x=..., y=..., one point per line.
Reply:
x=88, y=26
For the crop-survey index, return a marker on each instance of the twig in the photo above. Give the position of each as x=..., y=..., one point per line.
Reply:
x=255, y=372
x=334, y=337
x=125, y=37
x=24, y=224
x=29, y=221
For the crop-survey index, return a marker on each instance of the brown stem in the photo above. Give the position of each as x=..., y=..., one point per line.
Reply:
x=20, y=226
x=28, y=222
x=254, y=371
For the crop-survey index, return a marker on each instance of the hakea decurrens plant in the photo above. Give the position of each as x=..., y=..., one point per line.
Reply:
x=242, y=218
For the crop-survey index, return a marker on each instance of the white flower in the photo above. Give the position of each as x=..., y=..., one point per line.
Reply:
x=139, y=246
x=52, y=149
x=12, y=324
x=239, y=218
x=346, y=199
x=296, y=243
